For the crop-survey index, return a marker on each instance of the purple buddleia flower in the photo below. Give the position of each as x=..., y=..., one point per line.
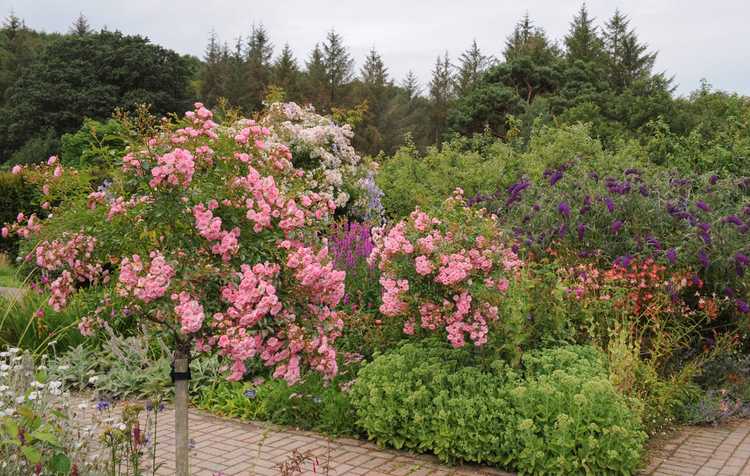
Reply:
x=703, y=258
x=703, y=206
x=563, y=230
x=536, y=207
x=672, y=255
x=743, y=307
x=741, y=262
x=610, y=204
x=581, y=231
x=733, y=219
x=653, y=242
x=594, y=176
x=713, y=179
x=644, y=191
x=564, y=209
x=555, y=177
x=632, y=172
x=615, y=227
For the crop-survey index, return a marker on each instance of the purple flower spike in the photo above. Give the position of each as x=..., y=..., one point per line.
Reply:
x=743, y=307
x=556, y=176
x=703, y=205
x=713, y=179
x=703, y=258
x=672, y=255
x=610, y=204
x=581, y=231
x=564, y=209
x=616, y=227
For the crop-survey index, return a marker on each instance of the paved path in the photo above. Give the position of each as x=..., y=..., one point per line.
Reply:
x=230, y=447
x=704, y=451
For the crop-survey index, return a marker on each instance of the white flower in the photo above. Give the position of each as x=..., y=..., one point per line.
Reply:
x=55, y=384
x=3, y=388
x=93, y=379
x=121, y=426
x=63, y=367
x=36, y=384
x=20, y=399
x=14, y=350
x=4, y=354
x=4, y=367
x=83, y=406
x=33, y=396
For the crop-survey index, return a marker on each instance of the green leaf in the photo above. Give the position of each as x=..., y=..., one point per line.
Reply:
x=32, y=454
x=60, y=464
x=11, y=427
x=46, y=437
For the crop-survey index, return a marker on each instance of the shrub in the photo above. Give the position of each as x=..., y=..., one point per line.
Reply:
x=427, y=397
x=450, y=271
x=16, y=195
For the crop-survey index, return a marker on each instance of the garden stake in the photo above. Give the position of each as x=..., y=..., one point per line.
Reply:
x=181, y=378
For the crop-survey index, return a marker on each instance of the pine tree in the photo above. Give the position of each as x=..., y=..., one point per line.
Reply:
x=213, y=74
x=339, y=66
x=236, y=89
x=411, y=86
x=530, y=41
x=472, y=64
x=374, y=73
x=259, y=53
x=286, y=74
x=582, y=41
x=16, y=51
x=627, y=58
x=441, y=95
x=316, y=79
x=80, y=26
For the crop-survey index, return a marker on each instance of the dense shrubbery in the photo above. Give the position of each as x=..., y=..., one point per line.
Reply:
x=547, y=420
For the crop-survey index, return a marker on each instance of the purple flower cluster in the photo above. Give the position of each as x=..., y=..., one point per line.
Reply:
x=350, y=245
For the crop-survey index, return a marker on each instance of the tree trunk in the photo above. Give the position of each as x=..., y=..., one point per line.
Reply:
x=182, y=450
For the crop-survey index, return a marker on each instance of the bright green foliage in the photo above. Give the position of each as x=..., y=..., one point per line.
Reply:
x=94, y=144
x=552, y=421
x=478, y=166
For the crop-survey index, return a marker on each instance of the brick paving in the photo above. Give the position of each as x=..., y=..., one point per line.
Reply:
x=704, y=451
x=230, y=447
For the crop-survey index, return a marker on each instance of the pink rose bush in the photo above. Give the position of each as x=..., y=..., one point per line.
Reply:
x=446, y=273
x=209, y=232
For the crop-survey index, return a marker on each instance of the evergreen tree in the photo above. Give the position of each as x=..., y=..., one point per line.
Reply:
x=411, y=86
x=441, y=95
x=80, y=26
x=529, y=41
x=259, y=53
x=16, y=51
x=236, y=84
x=582, y=41
x=374, y=73
x=316, y=79
x=472, y=64
x=628, y=59
x=213, y=73
x=339, y=66
x=286, y=74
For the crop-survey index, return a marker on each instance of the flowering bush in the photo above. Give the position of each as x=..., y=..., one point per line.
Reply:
x=446, y=272
x=693, y=225
x=323, y=150
x=211, y=232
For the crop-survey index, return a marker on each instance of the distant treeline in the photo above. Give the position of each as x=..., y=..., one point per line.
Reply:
x=599, y=73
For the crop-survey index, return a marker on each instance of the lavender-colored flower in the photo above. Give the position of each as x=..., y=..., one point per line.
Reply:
x=728, y=292
x=555, y=177
x=250, y=393
x=743, y=306
x=581, y=231
x=644, y=191
x=703, y=205
x=536, y=207
x=615, y=227
x=741, y=262
x=563, y=230
x=671, y=255
x=610, y=204
x=632, y=172
x=733, y=219
x=713, y=179
x=102, y=405
x=594, y=176
x=703, y=258
x=653, y=242
x=564, y=209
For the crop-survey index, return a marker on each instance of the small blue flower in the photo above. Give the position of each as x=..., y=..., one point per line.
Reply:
x=102, y=405
x=250, y=393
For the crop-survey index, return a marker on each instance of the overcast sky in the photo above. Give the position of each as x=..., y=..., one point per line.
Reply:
x=695, y=39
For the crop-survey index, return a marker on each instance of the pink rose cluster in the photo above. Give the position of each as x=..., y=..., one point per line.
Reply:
x=445, y=274
x=145, y=283
x=315, y=292
x=73, y=259
x=174, y=168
